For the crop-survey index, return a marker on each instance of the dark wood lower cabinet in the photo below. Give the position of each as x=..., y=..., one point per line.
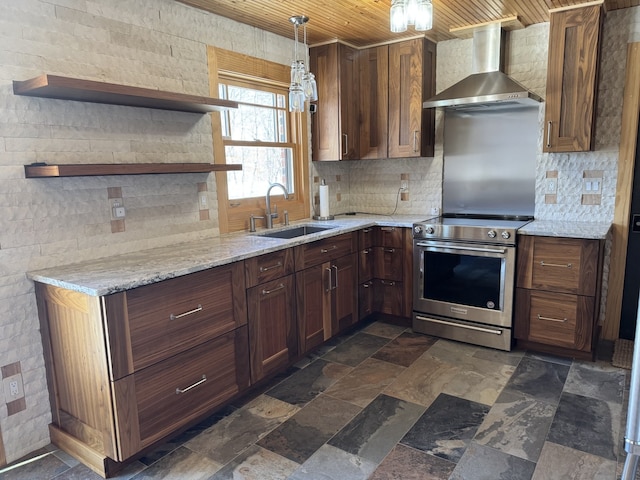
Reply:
x=327, y=300
x=389, y=296
x=272, y=324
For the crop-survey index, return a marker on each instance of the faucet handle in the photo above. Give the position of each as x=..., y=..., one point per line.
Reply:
x=286, y=217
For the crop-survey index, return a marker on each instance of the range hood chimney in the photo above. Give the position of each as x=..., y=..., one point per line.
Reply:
x=488, y=86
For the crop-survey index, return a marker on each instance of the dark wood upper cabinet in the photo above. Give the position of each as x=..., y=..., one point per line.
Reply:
x=370, y=101
x=412, y=75
x=574, y=44
x=335, y=124
x=374, y=102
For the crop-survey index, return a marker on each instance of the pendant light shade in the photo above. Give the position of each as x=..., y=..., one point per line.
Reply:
x=418, y=13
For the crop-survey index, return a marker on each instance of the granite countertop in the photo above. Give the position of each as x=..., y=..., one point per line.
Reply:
x=562, y=228
x=123, y=272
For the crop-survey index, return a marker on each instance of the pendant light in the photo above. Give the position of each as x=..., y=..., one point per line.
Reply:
x=303, y=85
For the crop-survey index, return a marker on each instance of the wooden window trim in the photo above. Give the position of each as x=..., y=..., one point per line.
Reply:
x=235, y=217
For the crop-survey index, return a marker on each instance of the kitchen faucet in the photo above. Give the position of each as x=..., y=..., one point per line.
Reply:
x=268, y=215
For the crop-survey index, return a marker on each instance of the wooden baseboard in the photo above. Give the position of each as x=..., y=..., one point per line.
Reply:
x=97, y=462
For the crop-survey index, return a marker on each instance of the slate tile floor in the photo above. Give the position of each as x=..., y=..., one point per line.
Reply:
x=384, y=403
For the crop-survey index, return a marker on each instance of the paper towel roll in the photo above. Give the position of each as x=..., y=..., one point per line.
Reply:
x=324, y=200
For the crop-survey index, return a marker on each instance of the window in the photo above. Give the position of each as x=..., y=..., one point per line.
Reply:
x=257, y=136
x=262, y=135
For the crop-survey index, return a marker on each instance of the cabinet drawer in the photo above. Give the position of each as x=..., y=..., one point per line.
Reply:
x=388, y=263
x=389, y=237
x=365, y=299
x=324, y=250
x=156, y=401
x=366, y=238
x=560, y=319
x=169, y=317
x=565, y=265
x=366, y=259
x=389, y=297
x=268, y=267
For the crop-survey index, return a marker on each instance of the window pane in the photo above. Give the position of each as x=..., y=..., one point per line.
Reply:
x=254, y=124
x=261, y=166
x=249, y=95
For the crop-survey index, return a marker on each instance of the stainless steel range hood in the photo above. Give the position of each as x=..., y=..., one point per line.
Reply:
x=488, y=86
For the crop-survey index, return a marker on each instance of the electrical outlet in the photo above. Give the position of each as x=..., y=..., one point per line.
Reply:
x=13, y=387
x=118, y=211
x=592, y=185
x=203, y=201
x=551, y=186
x=404, y=185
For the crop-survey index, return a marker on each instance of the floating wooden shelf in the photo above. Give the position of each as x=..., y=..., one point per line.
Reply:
x=64, y=88
x=45, y=171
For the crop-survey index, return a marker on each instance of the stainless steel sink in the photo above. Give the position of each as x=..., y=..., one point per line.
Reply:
x=294, y=232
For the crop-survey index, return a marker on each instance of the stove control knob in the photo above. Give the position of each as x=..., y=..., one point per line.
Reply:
x=491, y=234
x=429, y=230
x=417, y=229
x=506, y=235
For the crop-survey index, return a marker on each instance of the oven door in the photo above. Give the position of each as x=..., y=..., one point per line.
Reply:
x=465, y=281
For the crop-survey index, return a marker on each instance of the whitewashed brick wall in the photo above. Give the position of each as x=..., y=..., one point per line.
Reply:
x=45, y=222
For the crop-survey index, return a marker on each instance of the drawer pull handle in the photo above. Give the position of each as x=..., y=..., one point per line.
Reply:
x=330, y=287
x=384, y=282
x=559, y=320
x=270, y=267
x=388, y=229
x=389, y=250
x=562, y=265
x=327, y=250
x=366, y=230
x=190, y=312
x=366, y=250
x=267, y=292
x=185, y=390
x=366, y=285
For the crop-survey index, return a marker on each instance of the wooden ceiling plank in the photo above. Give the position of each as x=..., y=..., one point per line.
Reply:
x=365, y=22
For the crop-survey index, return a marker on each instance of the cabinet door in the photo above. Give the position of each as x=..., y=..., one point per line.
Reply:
x=313, y=300
x=272, y=326
x=344, y=292
x=374, y=102
x=335, y=124
x=411, y=81
x=572, y=76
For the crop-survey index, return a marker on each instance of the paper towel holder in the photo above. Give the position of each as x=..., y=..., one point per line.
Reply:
x=323, y=217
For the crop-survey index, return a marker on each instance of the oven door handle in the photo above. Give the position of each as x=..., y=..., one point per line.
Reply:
x=461, y=325
x=457, y=247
